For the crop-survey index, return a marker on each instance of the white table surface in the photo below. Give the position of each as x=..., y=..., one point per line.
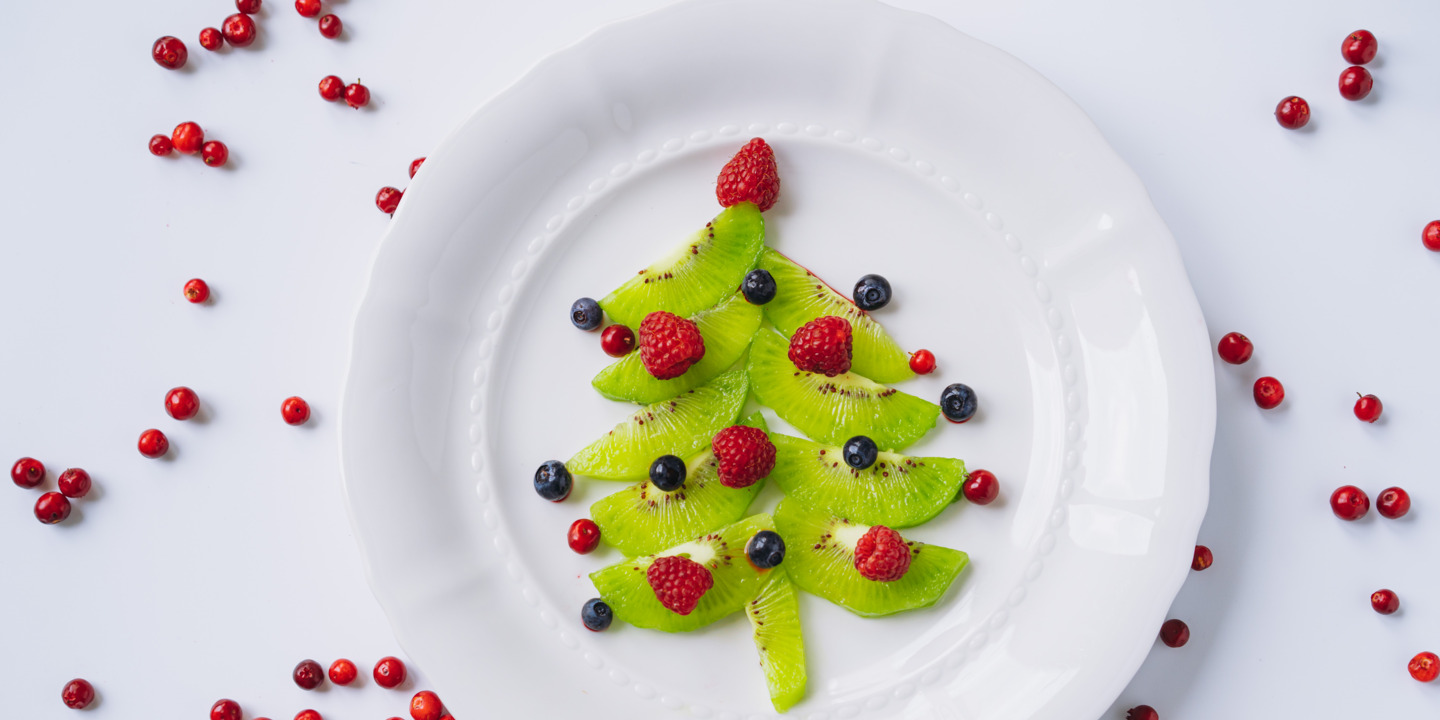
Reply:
x=211, y=573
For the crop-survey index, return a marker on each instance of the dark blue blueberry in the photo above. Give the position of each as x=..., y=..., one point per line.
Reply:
x=667, y=473
x=958, y=402
x=553, y=481
x=586, y=315
x=860, y=452
x=872, y=292
x=596, y=614
x=759, y=287
x=766, y=550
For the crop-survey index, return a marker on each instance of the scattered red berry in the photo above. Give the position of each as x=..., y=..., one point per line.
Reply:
x=196, y=290
x=882, y=554
x=188, y=137
x=1175, y=633
x=1359, y=47
x=51, y=508
x=214, y=153
x=823, y=345
x=211, y=38
x=343, y=672
x=1355, y=83
x=249, y=7
x=1431, y=236
x=679, y=582
x=617, y=340
x=584, y=536
x=225, y=709
x=981, y=487
x=1385, y=602
x=415, y=165
x=295, y=410
x=669, y=344
x=389, y=672
x=749, y=176
x=153, y=443
x=743, y=455
x=160, y=145
x=1368, y=408
x=1269, y=393
x=330, y=26
x=1425, y=666
x=1392, y=503
x=1349, y=502
x=27, y=472
x=170, y=52
x=426, y=706
x=1235, y=348
x=357, y=95
x=332, y=87
x=1142, y=712
x=308, y=715
x=388, y=199
x=1292, y=113
x=74, y=483
x=78, y=694
x=238, y=29
x=1203, y=558
x=307, y=8
x=922, y=362
x=308, y=674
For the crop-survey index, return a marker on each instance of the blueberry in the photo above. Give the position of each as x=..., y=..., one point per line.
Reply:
x=667, y=473
x=958, y=402
x=860, y=452
x=553, y=481
x=872, y=292
x=766, y=550
x=586, y=315
x=596, y=614
x=759, y=287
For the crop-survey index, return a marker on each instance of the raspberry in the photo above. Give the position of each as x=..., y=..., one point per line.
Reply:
x=882, y=554
x=823, y=346
x=669, y=344
x=750, y=175
x=744, y=454
x=679, y=582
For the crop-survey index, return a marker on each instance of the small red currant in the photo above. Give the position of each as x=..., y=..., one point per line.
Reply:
x=388, y=199
x=1269, y=393
x=981, y=487
x=1359, y=47
x=1142, y=712
x=1392, y=503
x=1235, y=348
x=584, y=536
x=1175, y=633
x=308, y=674
x=1292, y=113
x=922, y=362
x=1368, y=408
x=27, y=472
x=343, y=672
x=249, y=7
x=331, y=87
x=330, y=26
x=225, y=709
x=214, y=153
x=153, y=443
x=617, y=340
x=307, y=8
x=1355, y=83
x=295, y=410
x=1349, y=503
x=1431, y=236
x=74, y=483
x=51, y=508
x=182, y=403
x=1385, y=602
x=211, y=38
x=357, y=95
x=309, y=715
x=238, y=29
x=188, y=137
x=170, y=52
x=389, y=672
x=78, y=694
x=160, y=145
x=415, y=165
x=196, y=290
x=425, y=706
x=1425, y=667
x=1203, y=558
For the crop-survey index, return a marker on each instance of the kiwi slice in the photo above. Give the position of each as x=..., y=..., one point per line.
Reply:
x=821, y=560
x=897, y=491
x=699, y=273
x=726, y=328
x=680, y=426
x=835, y=409
x=775, y=618
x=800, y=297
x=642, y=519
x=624, y=587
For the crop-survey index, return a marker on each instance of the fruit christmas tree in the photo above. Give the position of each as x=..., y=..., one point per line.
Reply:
x=823, y=364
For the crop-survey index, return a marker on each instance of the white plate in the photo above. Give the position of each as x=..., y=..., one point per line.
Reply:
x=1022, y=250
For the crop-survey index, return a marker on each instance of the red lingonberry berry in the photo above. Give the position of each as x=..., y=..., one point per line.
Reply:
x=981, y=487
x=1349, y=503
x=824, y=345
x=51, y=508
x=679, y=582
x=1203, y=558
x=425, y=706
x=1175, y=633
x=882, y=554
x=238, y=29
x=225, y=709
x=187, y=138
x=922, y=362
x=1269, y=393
x=1368, y=408
x=617, y=340
x=153, y=443
x=295, y=410
x=584, y=536
x=196, y=290
x=307, y=8
x=308, y=674
x=1385, y=602
x=249, y=7
x=330, y=26
x=1235, y=348
x=1430, y=236
x=332, y=87
x=1392, y=503
x=743, y=455
x=1425, y=667
x=669, y=344
x=74, y=483
x=27, y=472
x=1292, y=113
x=388, y=199
x=749, y=176
x=309, y=715
x=1142, y=712
x=169, y=52
x=415, y=165
x=160, y=145
x=211, y=38
x=1355, y=83
x=78, y=694
x=1359, y=47
x=214, y=153
x=389, y=672
x=343, y=672
x=357, y=95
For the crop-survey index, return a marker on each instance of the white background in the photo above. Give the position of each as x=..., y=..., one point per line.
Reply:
x=210, y=573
